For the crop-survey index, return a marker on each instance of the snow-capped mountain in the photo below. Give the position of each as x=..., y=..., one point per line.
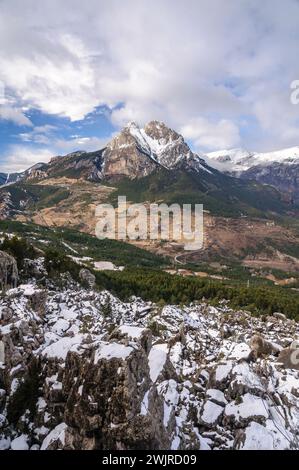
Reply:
x=279, y=168
x=136, y=152
x=171, y=172
x=238, y=160
x=133, y=153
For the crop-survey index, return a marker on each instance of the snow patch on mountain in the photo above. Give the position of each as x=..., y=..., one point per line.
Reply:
x=239, y=160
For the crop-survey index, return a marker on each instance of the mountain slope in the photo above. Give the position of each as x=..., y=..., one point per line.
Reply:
x=137, y=152
x=86, y=249
x=220, y=194
x=279, y=169
x=238, y=160
x=153, y=164
x=283, y=176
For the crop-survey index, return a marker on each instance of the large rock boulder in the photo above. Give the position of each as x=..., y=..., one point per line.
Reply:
x=8, y=271
x=261, y=347
x=87, y=277
x=103, y=404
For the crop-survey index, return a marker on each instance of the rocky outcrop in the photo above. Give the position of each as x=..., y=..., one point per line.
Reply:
x=261, y=347
x=124, y=156
x=137, y=152
x=103, y=406
x=85, y=165
x=137, y=376
x=87, y=277
x=8, y=271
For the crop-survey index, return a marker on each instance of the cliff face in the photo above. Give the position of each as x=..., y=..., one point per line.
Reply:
x=125, y=157
x=136, y=152
x=8, y=271
x=83, y=165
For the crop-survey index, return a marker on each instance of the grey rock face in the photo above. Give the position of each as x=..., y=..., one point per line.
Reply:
x=124, y=156
x=137, y=152
x=8, y=271
x=103, y=406
x=110, y=380
x=87, y=277
x=260, y=347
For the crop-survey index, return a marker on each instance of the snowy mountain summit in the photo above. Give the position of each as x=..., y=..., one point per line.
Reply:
x=136, y=152
x=279, y=169
x=238, y=160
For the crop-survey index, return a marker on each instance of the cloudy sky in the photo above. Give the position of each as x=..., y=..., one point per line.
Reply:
x=73, y=72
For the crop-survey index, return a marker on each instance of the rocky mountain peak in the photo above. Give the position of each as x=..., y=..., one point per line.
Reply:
x=157, y=130
x=136, y=151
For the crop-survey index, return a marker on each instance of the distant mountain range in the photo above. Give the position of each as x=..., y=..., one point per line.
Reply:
x=137, y=152
x=150, y=163
x=279, y=169
x=8, y=178
x=244, y=219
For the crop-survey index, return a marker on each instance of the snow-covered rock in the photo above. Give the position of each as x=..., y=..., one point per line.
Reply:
x=105, y=378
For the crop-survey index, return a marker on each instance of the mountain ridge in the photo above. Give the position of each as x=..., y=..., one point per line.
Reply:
x=279, y=169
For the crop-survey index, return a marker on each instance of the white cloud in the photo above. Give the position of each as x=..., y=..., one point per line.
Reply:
x=213, y=61
x=19, y=158
x=88, y=144
x=39, y=134
x=209, y=135
x=15, y=115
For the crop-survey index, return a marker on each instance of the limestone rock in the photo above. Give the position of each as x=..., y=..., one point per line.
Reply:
x=8, y=271
x=261, y=347
x=87, y=277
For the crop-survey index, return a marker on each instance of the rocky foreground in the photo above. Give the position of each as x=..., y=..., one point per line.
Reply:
x=82, y=370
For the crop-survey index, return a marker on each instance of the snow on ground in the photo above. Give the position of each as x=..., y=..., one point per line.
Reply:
x=58, y=433
x=112, y=350
x=156, y=360
x=211, y=394
x=251, y=406
x=211, y=412
x=131, y=331
x=20, y=443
